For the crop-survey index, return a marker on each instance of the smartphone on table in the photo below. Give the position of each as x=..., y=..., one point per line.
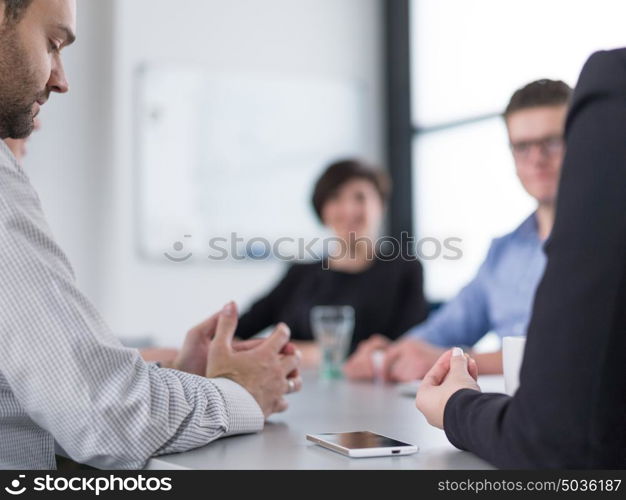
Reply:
x=362, y=444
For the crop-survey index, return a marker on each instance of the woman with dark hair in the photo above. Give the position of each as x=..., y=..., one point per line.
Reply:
x=386, y=294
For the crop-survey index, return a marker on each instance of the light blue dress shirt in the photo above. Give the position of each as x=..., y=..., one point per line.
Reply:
x=499, y=299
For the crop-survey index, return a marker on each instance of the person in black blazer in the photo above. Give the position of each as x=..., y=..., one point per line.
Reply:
x=570, y=408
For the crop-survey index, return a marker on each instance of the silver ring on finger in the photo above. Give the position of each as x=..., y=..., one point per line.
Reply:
x=291, y=385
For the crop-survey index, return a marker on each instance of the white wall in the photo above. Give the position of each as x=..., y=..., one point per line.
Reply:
x=82, y=161
x=329, y=38
x=68, y=160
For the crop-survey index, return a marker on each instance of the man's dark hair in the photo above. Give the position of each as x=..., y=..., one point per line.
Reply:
x=14, y=10
x=539, y=93
x=337, y=174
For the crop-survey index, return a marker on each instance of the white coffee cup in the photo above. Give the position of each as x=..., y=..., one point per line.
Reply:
x=512, y=356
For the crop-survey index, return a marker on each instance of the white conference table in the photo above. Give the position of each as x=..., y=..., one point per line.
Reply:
x=334, y=406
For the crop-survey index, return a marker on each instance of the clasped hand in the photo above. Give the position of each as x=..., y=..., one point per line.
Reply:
x=267, y=368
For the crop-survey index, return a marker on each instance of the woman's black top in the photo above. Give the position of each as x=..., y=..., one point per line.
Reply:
x=387, y=298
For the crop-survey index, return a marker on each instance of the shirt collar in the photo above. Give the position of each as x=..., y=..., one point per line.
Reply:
x=6, y=151
x=529, y=229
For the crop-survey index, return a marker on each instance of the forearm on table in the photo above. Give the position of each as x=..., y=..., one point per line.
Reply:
x=216, y=408
x=471, y=421
x=177, y=413
x=125, y=410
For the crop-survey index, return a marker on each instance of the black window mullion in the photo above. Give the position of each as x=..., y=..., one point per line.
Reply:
x=399, y=120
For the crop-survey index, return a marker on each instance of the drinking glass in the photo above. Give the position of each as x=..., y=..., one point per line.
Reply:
x=332, y=328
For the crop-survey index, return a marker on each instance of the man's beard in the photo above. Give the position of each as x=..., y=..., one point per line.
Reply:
x=18, y=87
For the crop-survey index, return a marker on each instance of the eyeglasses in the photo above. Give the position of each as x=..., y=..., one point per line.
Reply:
x=548, y=146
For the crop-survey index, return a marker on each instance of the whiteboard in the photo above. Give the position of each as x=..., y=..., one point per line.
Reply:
x=219, y=154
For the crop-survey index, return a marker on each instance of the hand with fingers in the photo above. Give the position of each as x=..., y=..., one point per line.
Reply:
x=361, y=365
x=193, y=355
x=267, y=368
x=452, y=372
x=409, y=359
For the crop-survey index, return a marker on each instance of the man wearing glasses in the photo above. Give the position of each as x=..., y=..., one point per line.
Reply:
x=500, y=297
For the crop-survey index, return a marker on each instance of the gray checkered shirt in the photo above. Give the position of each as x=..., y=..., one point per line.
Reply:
x=64, y=377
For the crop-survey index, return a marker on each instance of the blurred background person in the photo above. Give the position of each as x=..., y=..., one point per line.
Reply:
x=387, y=296
x=499, y=298
x=121, y=189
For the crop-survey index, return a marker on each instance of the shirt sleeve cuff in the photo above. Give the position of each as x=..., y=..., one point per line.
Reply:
x=244, y=413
